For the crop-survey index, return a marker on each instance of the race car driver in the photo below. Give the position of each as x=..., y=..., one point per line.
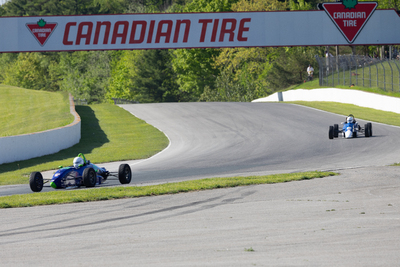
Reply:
x=79, y=161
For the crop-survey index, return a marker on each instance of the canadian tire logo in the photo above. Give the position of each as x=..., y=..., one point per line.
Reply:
x=41, y=30
x=350, y=16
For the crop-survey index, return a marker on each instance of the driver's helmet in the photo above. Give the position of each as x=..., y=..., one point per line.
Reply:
x=350, y=119
x=78, y=161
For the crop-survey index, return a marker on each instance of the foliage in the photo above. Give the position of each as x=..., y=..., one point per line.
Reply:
x=291, y=67
x=123, y=69
x=243, y=70
x=85, y=74
x=153, y=80
x=29, y=70
x=49, y=7
x=302, y=5
x=242, y=74
x=194, y=70
x=387, y=4
x=259, y=5
x=193, y=67
x=144, y=76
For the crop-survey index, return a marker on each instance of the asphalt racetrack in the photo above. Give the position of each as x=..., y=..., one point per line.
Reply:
x=228, y=139
x=347, y=220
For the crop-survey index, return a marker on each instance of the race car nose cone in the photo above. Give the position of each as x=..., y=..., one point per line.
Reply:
x=53, y=184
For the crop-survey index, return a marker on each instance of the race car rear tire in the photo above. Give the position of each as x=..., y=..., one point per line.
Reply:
x=36, y=181
x=89, y=177
x=370, y=128
x=331, y=130
x=366, y=130
x=336, y=130
x=124, y=174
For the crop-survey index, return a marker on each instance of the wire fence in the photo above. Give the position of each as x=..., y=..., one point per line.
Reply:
x=358, y=70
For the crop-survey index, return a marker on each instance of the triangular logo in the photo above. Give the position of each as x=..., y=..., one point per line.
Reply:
x=350, y=16
x=41, y=30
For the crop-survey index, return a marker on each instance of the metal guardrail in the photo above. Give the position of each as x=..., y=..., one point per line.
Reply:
x=350, y=70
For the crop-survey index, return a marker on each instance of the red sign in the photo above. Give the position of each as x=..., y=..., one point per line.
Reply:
x=350, y=21
x=41, y=30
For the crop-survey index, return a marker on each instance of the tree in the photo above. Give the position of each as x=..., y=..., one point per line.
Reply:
x=122, y=71
x=242, y=70
x=291, y=67
x=85, y=74
x=30, y=70
x=50, y=7
x=144, y=76
x=194, y=67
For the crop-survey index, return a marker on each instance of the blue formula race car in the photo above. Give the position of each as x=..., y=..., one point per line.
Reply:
x=350, y=129
x=82, y=173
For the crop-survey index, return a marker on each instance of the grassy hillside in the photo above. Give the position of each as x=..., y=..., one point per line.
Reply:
x=25, y=111
x=109, y=133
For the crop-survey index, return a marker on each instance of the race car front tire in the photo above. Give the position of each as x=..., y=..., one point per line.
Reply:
x=366, y=130
x=36, y=181
x=331, y=134
x=124, y=174
x=89, y=177
x=370, y=128
x=336, y=130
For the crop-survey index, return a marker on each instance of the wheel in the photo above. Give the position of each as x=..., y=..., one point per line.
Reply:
x=370, y=128
x=124, y=174
x=89, y=177
x=336, y=130
x=36, y=181
x=366, y=130
x=355, y=134
x=331, y=132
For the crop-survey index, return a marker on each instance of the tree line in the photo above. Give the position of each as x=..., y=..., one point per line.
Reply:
x=228, y=74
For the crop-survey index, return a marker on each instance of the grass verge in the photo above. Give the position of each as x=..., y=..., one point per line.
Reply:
x=19, y=106
x=108, y=193
x=368, y=114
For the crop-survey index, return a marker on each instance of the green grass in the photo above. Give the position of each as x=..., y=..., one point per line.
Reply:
x=19, y=106
x=109, y=133
x=108, y=193
x=368, y=114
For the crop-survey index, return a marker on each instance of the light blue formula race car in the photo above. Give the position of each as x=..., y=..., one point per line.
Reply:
x=350, y=129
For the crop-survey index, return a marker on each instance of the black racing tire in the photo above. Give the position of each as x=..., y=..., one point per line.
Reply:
x=89, y=177
x=355, y=134
x=124, y=174
x=336, y=130
x=36, y=181
x=331, y=132
x=366, y=130
x=370, y=128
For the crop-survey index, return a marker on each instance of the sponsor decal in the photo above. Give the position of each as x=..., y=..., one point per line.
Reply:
x=350, y=16
x=139, y=32
x=41, y=30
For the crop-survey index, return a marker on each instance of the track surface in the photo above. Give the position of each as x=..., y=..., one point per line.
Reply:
x=347, y=220
x=230, y=139
x=225, y=139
